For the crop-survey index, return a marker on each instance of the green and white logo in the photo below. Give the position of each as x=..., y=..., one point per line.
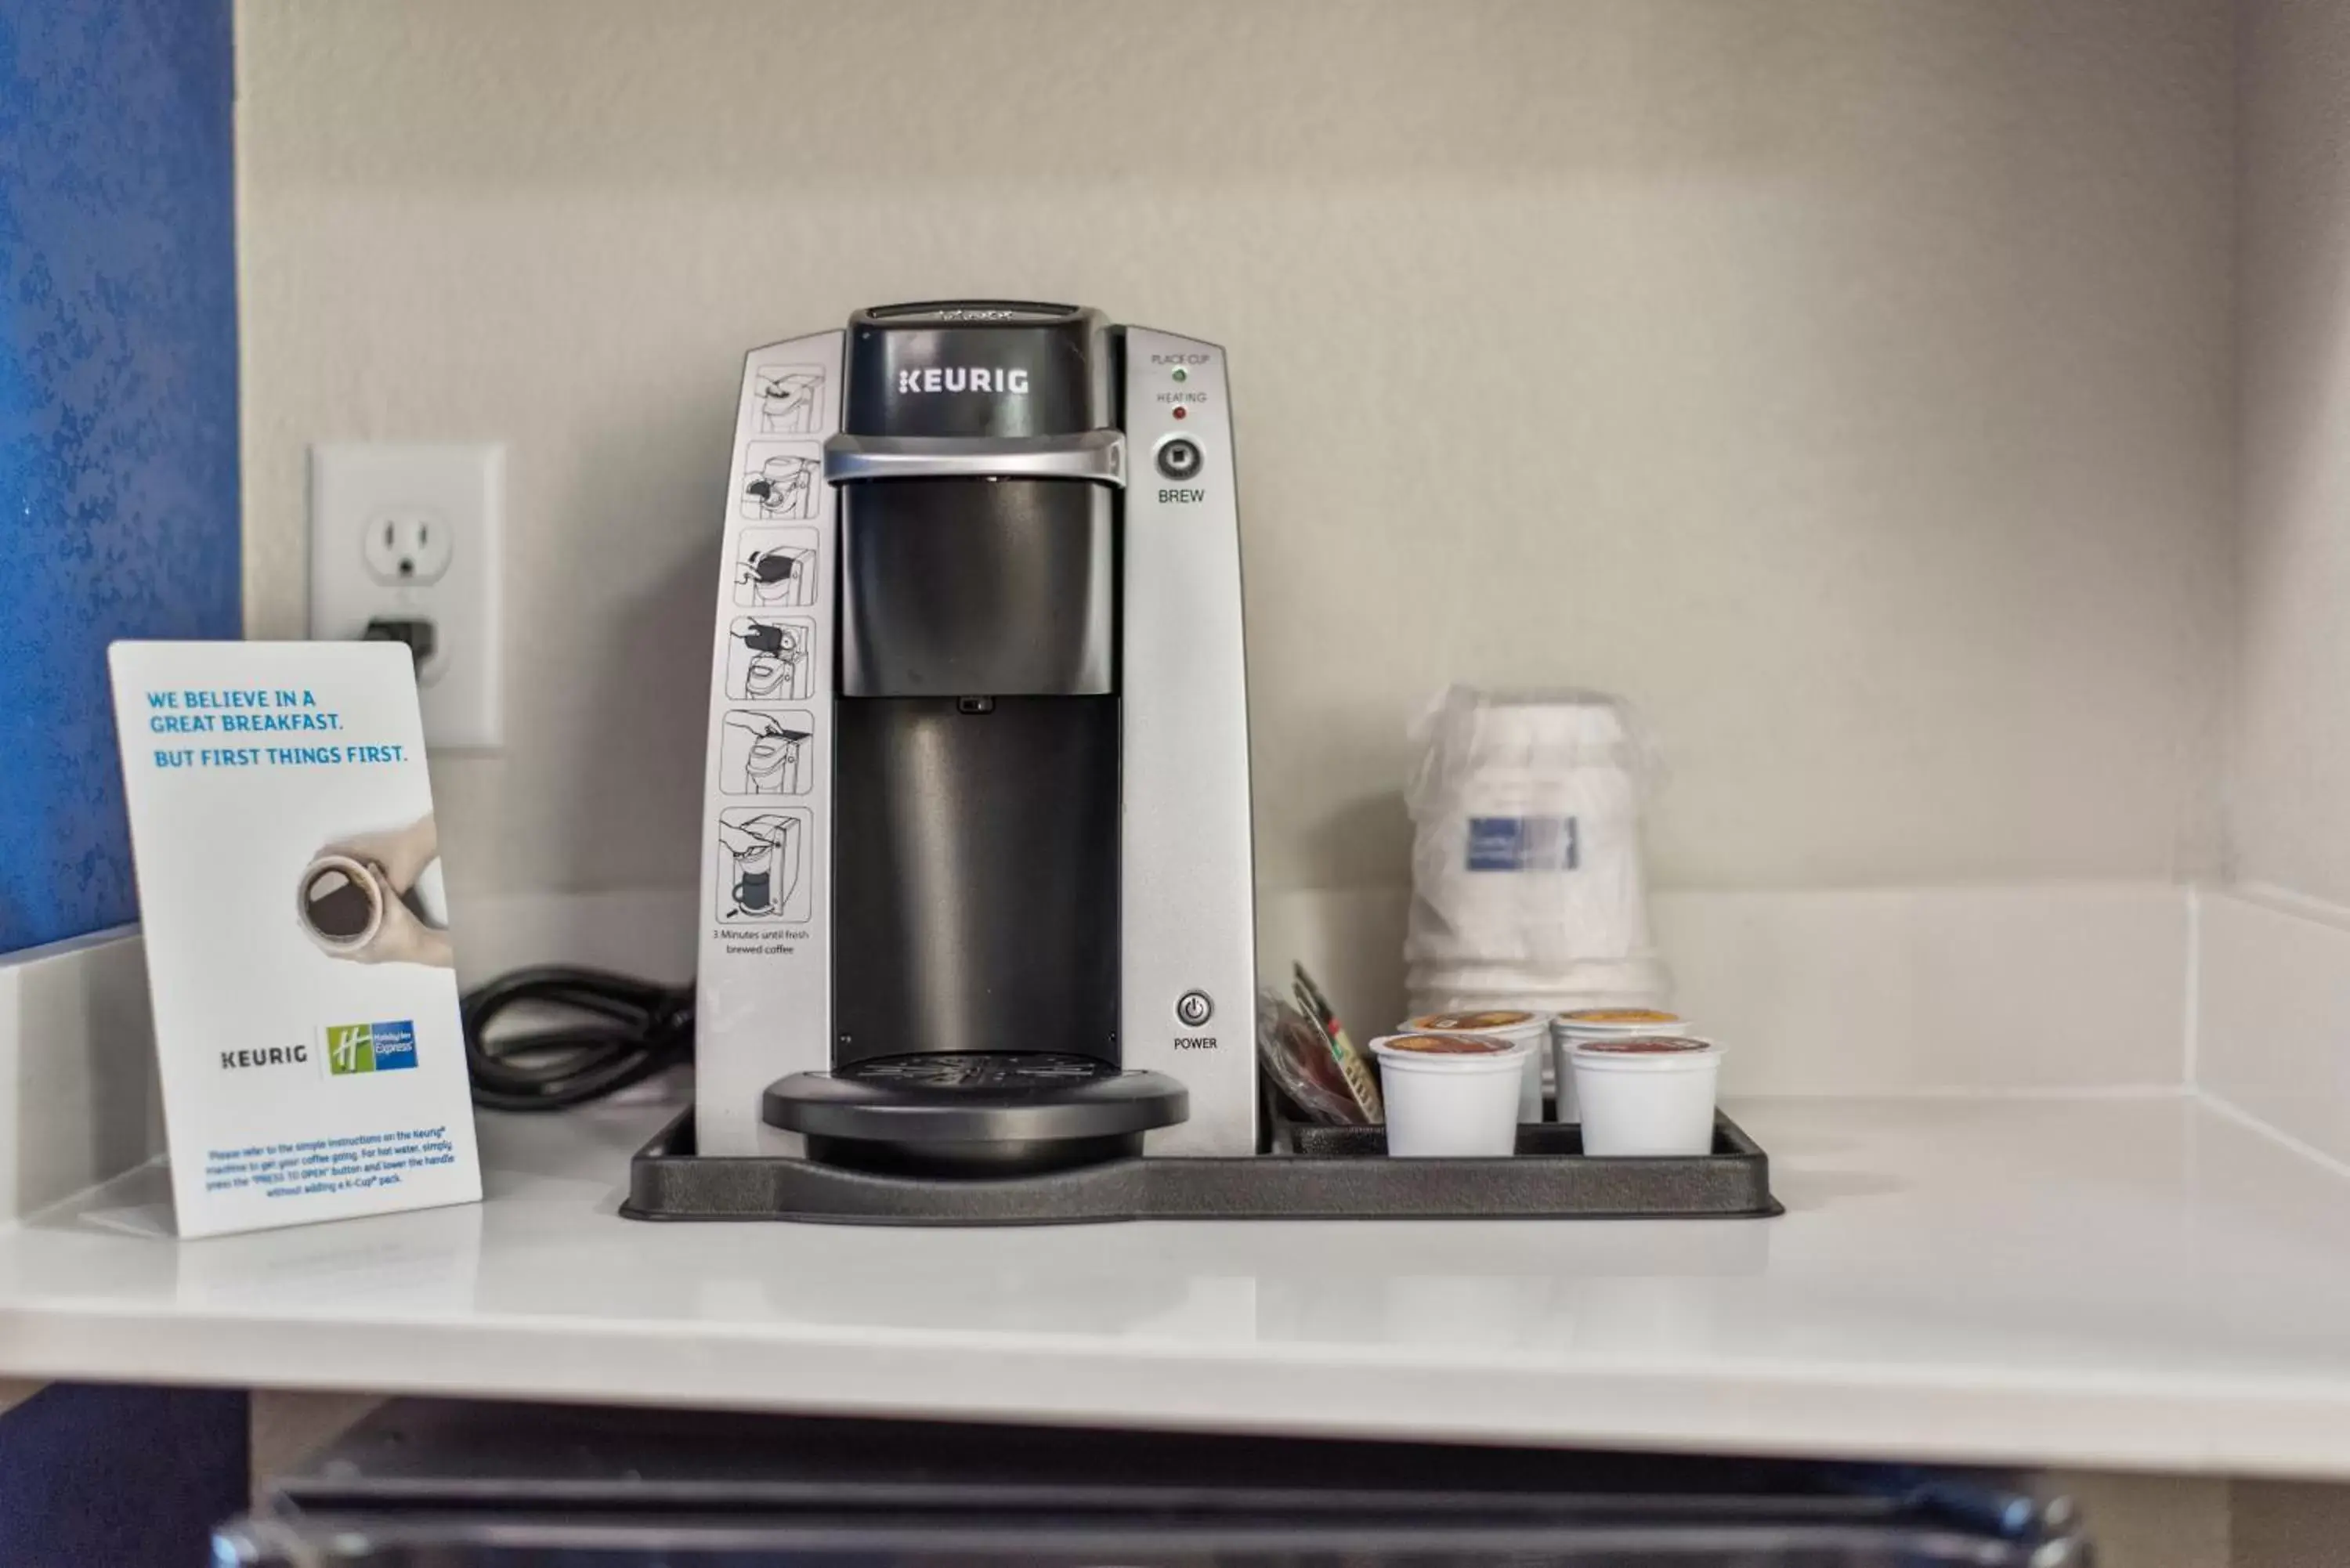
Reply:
x=370, y=1047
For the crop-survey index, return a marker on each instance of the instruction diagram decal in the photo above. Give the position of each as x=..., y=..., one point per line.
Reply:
x=775, y=567
x=764, y=752
x=762, y=851
x=789, y=397
x=769, y=658
x=779, y=481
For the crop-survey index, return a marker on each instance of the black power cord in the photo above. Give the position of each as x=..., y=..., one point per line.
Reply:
x=420, y=636
x=623, y=1031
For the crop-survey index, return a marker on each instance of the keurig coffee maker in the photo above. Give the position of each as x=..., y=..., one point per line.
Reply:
x=981, y=569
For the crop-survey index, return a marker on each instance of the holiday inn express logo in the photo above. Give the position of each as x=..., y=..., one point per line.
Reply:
x=370, y=1047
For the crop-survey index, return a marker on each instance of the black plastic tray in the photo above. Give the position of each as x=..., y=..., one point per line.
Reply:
x=1313, y=1173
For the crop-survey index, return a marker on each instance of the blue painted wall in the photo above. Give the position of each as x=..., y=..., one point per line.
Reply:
x=118, y=518
x=118, y=411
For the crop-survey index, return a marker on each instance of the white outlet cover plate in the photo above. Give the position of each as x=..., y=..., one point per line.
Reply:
x=359, y=485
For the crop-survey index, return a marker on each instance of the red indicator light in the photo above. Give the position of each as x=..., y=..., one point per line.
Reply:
x=1178, y=411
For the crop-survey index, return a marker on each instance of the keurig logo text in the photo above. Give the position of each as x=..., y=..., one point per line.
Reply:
x=963, y=378
x=266, y=1057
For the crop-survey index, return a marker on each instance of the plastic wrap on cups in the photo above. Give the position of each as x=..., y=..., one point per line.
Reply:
x=1527, y=883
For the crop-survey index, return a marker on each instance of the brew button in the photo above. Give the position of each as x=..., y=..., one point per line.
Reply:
x=1194, y=1009
x=1178, y=457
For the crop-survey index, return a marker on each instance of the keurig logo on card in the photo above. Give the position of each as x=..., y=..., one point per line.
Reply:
x=964, y=379
x=266, y=1057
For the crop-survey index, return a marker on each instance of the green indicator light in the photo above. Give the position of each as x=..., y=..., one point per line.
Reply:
x=1182, y=374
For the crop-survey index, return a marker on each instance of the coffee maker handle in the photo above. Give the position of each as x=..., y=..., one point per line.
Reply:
x=1098, y=456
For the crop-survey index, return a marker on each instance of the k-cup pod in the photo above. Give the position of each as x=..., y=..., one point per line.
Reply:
x=1621, y=1021
x=769, y=764
x=765, y=675
x=1646, y=1094
x=1516, y=1025
x=1450, y=1095
x=339, y=903
x=1600, y=1023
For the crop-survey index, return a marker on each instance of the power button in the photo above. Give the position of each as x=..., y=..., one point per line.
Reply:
x=1193, y=1008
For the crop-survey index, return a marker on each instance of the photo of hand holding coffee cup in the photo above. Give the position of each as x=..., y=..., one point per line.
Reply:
x=366, y=897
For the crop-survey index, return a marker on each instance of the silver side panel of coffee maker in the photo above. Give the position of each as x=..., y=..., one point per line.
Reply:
x=762, y=1003
x=1188, y=924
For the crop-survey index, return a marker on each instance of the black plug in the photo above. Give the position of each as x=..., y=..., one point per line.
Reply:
x=418, y=634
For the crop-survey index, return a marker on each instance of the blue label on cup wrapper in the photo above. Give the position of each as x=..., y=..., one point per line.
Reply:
x=1522, y=844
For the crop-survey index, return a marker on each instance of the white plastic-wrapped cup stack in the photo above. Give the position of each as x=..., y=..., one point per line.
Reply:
x=1602, y=1023
x=1513, y=1025
x=1527, y=888
x=1646, y=1095
x=1451, y=1095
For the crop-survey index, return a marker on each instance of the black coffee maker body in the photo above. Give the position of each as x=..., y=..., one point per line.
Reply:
x=1025, y=925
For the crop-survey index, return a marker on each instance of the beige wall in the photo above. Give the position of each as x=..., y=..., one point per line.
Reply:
x=2286, y=1524
x=2200, y=1522
x=2289, y=808
x=1849, y=383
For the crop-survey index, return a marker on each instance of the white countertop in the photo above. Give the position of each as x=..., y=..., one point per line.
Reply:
x=2110, y=1283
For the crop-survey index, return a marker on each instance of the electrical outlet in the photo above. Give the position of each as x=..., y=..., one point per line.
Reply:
x=408, y=547
x=404, y=533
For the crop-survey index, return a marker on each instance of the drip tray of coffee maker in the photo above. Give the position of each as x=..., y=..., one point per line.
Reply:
x=973, y=1114
x=1310, y=1173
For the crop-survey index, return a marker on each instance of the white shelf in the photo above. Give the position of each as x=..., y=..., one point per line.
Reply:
x=2131, y=1281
